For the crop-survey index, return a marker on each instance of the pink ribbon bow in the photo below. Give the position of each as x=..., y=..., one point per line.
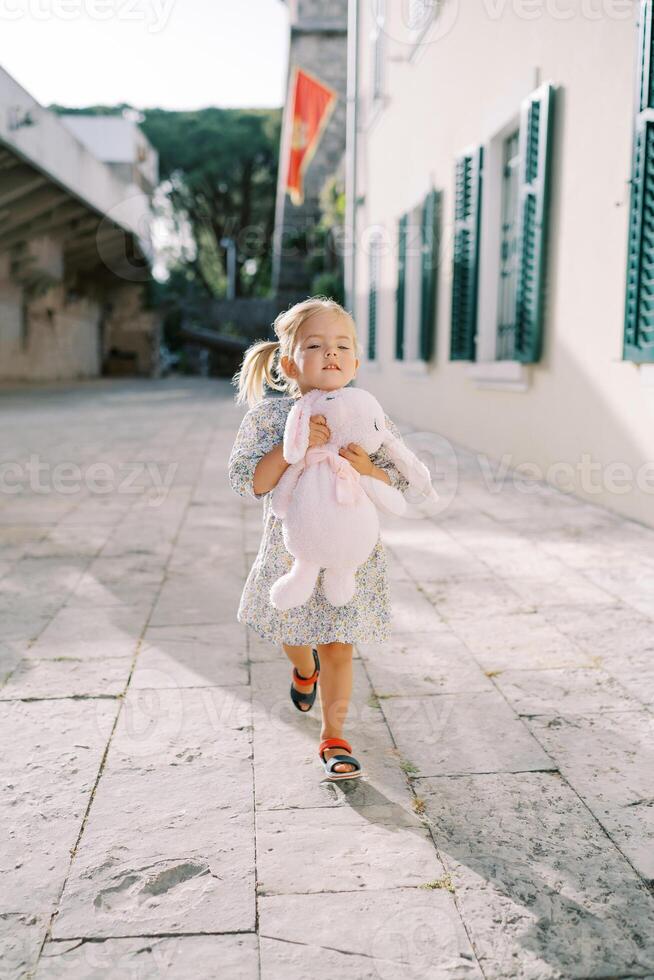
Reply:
x=348, y=487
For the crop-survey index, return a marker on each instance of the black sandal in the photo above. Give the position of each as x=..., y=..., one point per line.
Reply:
x=329, y=765
x=300, y=697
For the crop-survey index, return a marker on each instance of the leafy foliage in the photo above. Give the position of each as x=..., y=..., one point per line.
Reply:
x=220, y=170
x=325, y=259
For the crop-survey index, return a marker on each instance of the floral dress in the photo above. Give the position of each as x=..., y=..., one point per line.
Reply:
x=366, y=618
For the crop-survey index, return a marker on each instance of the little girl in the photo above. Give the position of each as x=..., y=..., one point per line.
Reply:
x=317, y=347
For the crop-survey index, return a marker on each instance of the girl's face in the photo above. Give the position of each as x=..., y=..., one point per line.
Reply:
x=324, y=355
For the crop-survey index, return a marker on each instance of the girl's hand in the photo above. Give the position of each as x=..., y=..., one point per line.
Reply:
x=319, y=432
x=358, y=458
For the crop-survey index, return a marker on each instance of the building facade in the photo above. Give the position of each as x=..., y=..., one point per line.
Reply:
x=317, y=44
x=504, y=234
x=75, y=247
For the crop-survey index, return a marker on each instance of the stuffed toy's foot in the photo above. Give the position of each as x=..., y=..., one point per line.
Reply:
x=339, y=585
x=296, y=586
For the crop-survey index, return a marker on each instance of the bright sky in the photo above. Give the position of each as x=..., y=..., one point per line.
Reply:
x=170, y=54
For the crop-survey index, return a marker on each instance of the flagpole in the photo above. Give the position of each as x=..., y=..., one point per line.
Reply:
x=349, y=264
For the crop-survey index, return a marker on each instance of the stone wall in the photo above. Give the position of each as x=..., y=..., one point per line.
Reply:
x=48, y=339
x=51, y=329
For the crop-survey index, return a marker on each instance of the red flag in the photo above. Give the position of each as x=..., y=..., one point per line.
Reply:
x=312, y=103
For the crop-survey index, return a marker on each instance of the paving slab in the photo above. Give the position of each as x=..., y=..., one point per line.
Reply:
x=192, y=656
x=168, y=845
x=604, y=631
x=96, y=632
x=411, y=610
x=609, y=758
x=160, y=728
x=541, y=891
x=381, y=935
x=342, y=849
x=166, y=849
x=51, y=760
x=185, y=600
x=430, y=663
x=81, y=541
x=261, y=650
x=21, y=938
x=481, y=597
x=234, y=957
x=67, y=677
x=10, y=657
x=426, y=552
x=449, y=734
x=520, y=640
x=546, y=587
x=563, y=690
x=634, y=672
x=631, y=582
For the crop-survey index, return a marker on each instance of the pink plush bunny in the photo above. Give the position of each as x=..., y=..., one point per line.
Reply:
x=329, y=511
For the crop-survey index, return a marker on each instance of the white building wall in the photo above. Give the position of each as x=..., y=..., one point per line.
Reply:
x=581, y=398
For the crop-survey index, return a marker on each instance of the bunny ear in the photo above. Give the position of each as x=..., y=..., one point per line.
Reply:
x=296, y=431
x=410, y=466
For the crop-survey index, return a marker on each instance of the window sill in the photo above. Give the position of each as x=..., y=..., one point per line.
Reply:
x=647, y=375
x=417, y=366
x=501, y=375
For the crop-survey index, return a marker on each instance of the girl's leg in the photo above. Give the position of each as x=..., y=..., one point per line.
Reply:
x=302, y=658
x=335, y=692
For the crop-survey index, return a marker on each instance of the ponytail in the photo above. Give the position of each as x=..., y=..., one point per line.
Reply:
x=258, y=364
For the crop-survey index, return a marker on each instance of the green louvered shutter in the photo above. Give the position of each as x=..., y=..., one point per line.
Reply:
x=373, y=291
x=533, y=206
x=467, y=208
x=639, y=300
x=430, y=248
x=401, y=279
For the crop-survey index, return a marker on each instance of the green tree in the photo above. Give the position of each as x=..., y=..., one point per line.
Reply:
x=222, y=167
x=325, y=260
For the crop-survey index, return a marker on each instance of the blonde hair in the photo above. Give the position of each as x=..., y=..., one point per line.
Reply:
x=262, y=360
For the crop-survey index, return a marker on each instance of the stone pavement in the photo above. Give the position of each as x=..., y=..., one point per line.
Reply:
x=161, y=799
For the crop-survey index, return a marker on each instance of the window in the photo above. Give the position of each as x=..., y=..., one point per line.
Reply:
x=374, y=262
x=638, y=342
x=535, y=165
x=500, y=239
x=418, y=251
x=400, y=297
x=508, y=249
x=467, y=210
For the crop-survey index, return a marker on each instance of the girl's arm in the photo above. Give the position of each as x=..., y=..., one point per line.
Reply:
x=269, y=470
x=380, y=474
x=362, y=462
x=258, y=437
x=383, y=467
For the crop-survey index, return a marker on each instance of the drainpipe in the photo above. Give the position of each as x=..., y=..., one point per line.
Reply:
x=351, y=152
